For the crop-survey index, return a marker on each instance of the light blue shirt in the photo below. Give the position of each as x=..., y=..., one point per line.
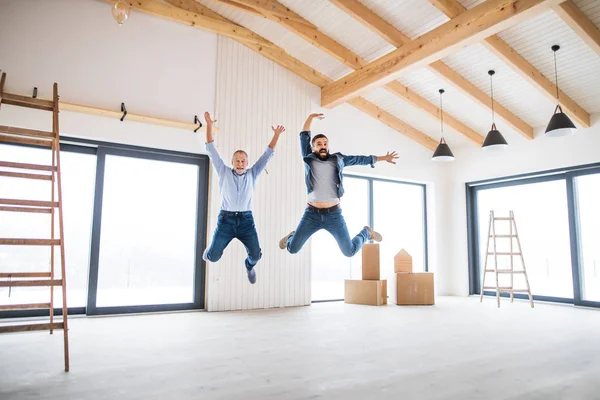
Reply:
x=237, y=190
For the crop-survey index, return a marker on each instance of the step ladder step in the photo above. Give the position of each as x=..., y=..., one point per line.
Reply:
x=29, y=102
x=505, y=271
x=22, y=140
x=32, y=306
x=504, y=236
x=32, y=203
x=502, y=219
x=24, y=274
x=499, y=253
x=27, y=209
x=13, y=130
x=505, y=289
x=31, y=327
x=26, y=176
x=32, y=283
x=36, y=167
x=31, y=242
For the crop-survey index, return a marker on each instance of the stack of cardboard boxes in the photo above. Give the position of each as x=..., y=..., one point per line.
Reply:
x=412, y=288
x=370, y=290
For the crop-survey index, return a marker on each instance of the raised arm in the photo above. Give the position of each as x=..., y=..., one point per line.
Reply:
x=215, y=158
x=262, y=162
x=305, y=146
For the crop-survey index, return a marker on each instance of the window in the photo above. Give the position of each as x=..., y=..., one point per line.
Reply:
x=395, y=209
x=558, y=224
x=78, y=174
x=542, y=222
x=134, y=229
x=588, y=198
x=147, y=241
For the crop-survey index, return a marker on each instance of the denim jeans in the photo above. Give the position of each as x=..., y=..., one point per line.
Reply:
x=333, y=223
x=235, y=225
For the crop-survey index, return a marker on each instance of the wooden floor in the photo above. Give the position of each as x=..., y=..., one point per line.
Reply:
x=458, y=349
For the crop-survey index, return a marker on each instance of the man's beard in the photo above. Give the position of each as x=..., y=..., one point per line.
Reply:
x=323, y=154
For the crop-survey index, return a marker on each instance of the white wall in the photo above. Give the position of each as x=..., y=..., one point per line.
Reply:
x=253, y=94
x=542, y=153
x=156, y=67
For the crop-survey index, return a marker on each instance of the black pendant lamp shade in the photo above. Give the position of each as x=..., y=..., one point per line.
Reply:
x=442, y=152
x=494, y=139
x=560, y=124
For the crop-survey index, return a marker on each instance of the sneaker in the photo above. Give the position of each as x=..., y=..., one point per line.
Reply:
x=374, y=235
x=284, y=240
x=204, y=257
x=252, y=276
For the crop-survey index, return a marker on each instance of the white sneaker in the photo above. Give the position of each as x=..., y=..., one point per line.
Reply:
x=284, y=240
x=376, y=236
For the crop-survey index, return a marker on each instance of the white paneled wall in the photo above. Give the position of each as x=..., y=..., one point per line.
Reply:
x=253, y=94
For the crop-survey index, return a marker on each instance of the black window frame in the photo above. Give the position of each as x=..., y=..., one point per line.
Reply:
x=100, y=149
x=568, y=174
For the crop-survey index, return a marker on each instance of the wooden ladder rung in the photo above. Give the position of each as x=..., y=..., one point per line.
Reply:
x=499, y=253
x=32, y=306
x=22, y=140
x=514, y=290
x=31, y=283
x=29, y=102
x=13, y=130
x=32, y=203
x=505, y=271
x=36, y=167
x=30, y=242
x=27, y=209
x=31, y=327
x=26, y=176
x=25, y=275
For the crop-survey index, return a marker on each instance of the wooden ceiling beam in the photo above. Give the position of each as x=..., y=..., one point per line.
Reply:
x=279, y=56
x=395, y=88
x=453, y=9
x=580, y=24
x=474, y=25
x=394, y=36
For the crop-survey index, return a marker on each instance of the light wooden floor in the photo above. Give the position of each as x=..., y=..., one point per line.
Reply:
x=458, y=349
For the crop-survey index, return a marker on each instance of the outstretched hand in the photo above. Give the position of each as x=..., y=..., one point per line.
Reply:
x=317, y=115
x=390, y=157
x=279, y=130
x=209, y=121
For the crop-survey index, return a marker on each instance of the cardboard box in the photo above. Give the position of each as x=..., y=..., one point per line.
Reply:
x=370, y=261
x=403, y=262
x=372, y=293
x=414, y=288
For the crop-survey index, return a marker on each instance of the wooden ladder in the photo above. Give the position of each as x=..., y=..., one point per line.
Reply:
x=49, y=173
x=513, y=233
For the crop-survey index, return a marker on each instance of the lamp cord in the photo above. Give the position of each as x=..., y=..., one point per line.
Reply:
x=556, y=76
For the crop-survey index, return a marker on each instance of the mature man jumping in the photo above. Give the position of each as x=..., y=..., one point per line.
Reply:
x=324, y=183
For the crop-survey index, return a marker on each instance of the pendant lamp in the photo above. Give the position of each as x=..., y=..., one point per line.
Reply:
x=560, y=124
x=494, y=139
x=442, y=152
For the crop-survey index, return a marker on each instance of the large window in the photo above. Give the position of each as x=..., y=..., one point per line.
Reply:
x=558, y=225
x=134, y=229
x=395, y=209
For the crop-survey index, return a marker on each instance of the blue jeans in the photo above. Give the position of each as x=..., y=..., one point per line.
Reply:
x=235, y=225
x=334, y=223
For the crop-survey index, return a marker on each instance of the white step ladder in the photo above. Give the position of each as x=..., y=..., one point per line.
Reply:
x=513, y=233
